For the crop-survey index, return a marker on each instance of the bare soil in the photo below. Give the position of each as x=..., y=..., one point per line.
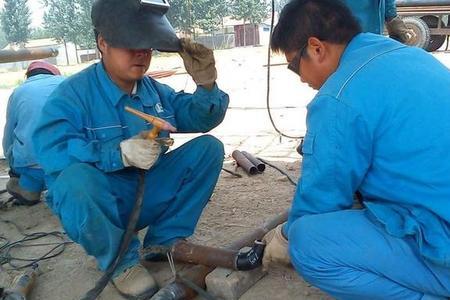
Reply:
x=237, y=206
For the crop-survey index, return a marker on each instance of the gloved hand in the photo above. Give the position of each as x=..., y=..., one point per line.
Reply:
x=276, y=250
x=140, y=152
x=398, y=30
x=199, y=62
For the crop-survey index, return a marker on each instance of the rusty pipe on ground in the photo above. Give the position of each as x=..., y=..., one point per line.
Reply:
x=7, y=56
x=178, y=290
x=186, y=252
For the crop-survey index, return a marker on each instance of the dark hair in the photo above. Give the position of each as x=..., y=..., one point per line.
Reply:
x=327, y=20
x=38, y=71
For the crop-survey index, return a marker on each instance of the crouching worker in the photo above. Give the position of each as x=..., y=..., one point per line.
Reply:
x=26, y=181
x=91, y=148
x=378, y=125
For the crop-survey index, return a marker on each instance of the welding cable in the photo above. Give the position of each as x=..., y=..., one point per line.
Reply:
x=7, y=246
x=279, y=170
x=126, y=239
x=268, y=80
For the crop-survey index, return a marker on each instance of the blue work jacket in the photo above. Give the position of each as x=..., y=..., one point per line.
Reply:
x=372, y=14
x=84, y=119
x=380, y=125
x=23, y=110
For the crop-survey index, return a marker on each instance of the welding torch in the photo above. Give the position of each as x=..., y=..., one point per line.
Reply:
x=158, y=125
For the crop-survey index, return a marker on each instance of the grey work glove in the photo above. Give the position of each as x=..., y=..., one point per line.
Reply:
x=398, y=30
x=199, y=62
x=276, y=250
x=140, y=152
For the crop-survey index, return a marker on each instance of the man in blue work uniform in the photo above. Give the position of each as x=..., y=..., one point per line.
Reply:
x=378, y=125
x=372, y=15
x=24, y=106
x=91, y=148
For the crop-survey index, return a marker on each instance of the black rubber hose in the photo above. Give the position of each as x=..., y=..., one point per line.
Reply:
x=126, y=239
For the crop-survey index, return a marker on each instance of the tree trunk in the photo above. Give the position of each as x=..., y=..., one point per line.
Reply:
x=245, y=35
x=76, y=54
x=213, y=41
x=67, y=53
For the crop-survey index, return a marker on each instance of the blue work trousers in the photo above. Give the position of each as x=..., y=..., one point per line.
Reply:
x=94, y=207
x=349, y=256
x=30, y=179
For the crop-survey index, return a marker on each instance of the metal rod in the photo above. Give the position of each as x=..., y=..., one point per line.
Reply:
x=7, y=56
x=177, y=290
x=244, y=163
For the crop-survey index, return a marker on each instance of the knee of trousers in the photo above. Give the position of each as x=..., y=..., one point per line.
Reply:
x=211, y=147
x=79, y=181
x=306, y=250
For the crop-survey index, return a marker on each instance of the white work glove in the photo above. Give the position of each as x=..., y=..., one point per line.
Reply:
x=398, y=30
x=276, y=250
x=140, y=152
x=199, y=62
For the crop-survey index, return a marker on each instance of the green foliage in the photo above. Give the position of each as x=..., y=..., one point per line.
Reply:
x=180, y=15
x=3, y=41
x=208, y=14
x=60, y=20
x=70, y=21
x=279, y=4
x=254, y=11
x=185, y=15
x=39, y=33
x=16, y=20
x=86, y=38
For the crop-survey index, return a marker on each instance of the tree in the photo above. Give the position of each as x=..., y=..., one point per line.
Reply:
x=16, y=20
x=254, y=11
x=208, y=14
x=279, y=4
x=180, y=15
x=61, y=22
x=85, y=38
x=3, y=41
x=39, y=33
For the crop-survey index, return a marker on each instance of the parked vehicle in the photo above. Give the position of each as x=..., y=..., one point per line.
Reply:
x=429, y=19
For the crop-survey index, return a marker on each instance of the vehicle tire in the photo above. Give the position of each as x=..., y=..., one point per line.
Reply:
x=421, y=30
x=436, y=40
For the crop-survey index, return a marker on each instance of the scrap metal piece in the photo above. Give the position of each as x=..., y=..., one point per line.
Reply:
x=255, y=161
x=7, y=56
x=244, y=163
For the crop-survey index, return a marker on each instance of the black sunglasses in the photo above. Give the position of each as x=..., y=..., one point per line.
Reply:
x=294, y=65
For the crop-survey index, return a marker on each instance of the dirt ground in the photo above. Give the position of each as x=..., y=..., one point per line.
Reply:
x=237, y=206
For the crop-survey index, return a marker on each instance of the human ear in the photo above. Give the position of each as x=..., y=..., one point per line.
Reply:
x=317, y=49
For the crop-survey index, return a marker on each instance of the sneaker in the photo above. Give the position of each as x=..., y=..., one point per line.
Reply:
x=136, y=282
x=23, y=197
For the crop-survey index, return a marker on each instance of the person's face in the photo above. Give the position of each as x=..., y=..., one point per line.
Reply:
x=125, y=66
x=314, y=62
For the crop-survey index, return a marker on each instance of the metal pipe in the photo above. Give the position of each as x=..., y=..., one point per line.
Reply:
x=7, y=56
x=259, y=164
x=244, y=163
x=178, y=290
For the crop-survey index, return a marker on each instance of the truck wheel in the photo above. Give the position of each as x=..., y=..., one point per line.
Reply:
x=436, y=40
x=421, y=30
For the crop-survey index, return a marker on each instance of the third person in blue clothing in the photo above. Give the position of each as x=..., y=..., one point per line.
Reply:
x=91, y=148
x=373, y=15
x=378, y=126
x=26, y=181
